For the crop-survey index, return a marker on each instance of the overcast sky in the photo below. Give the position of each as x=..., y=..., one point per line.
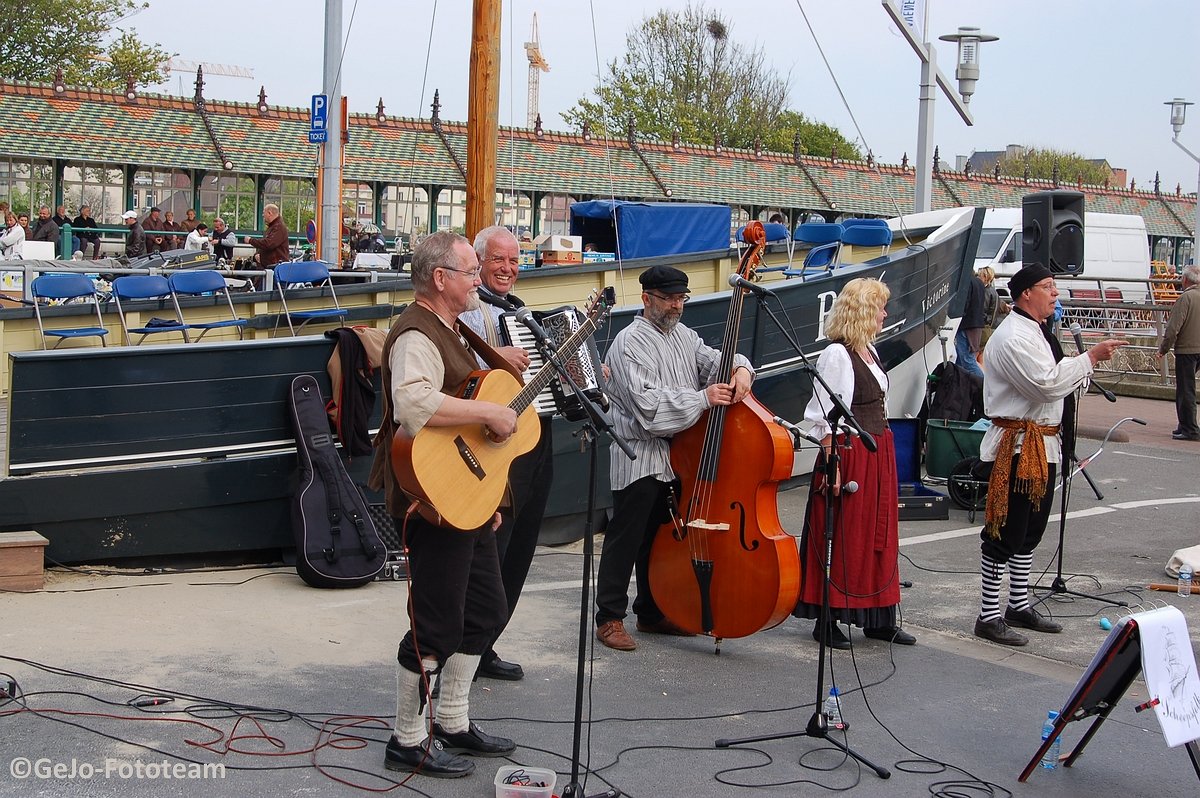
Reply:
x=1089, y=76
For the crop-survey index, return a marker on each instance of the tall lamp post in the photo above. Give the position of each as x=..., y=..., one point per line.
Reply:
x=1178, y=113
x=967, y=73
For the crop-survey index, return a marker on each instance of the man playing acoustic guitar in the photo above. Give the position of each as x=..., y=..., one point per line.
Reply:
x=456, y=602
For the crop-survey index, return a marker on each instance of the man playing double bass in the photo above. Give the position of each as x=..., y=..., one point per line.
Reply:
x=662, y=379
x=456, y=600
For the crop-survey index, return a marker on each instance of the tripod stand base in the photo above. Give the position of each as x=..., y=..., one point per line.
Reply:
x=575, y=791
x=1059, y=587
x=817, y=728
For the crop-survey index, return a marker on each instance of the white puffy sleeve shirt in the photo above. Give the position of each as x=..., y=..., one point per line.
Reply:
x=835, y=366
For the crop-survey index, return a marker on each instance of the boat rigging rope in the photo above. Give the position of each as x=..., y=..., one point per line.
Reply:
x=853, y=119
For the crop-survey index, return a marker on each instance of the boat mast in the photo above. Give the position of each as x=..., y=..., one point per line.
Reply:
x=329, y=227
x=483, y=112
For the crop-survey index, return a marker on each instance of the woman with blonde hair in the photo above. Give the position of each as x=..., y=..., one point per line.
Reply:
x=864, y=585
x=994, y=309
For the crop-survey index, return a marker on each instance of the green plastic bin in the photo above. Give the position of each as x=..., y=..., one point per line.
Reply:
x=947, y=442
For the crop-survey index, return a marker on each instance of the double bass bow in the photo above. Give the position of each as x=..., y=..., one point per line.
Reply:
x=724, y=566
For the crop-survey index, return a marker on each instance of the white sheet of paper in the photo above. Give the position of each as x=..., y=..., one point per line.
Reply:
x=1169, y=665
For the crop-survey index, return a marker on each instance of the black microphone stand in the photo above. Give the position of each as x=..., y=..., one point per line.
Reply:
x=818, y=724
x=595, y=423
x=1059, y=585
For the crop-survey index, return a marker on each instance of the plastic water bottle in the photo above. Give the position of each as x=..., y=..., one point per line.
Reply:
x=1050, y=758
x=1185, y=580
x=833, y=712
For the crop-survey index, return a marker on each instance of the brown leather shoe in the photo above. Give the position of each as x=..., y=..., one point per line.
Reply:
x=663, y=627
x=613, y=635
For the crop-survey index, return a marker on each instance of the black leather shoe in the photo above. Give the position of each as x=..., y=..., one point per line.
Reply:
x=474, y=742
x=1183, y=436
x=497, y=668
x=429, y=758
x=998, y=632
x=835, y=638
x=891, y=634
x=1030, y=618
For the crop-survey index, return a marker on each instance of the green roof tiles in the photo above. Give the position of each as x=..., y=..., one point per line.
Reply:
x=163, y=131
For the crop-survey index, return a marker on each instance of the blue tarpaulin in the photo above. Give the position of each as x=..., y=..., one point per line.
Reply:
x=651, y=229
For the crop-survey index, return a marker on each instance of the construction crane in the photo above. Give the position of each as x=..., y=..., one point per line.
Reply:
x=537, y=64
x=225, y=70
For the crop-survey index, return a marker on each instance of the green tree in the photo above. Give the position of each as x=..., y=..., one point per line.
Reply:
x=816, y=138
x=42, y=36
x=682, y=72
x=1071, y=166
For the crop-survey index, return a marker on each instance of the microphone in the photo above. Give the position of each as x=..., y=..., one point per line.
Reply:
x=850, y=487
x=737, y=281
x=525, y=316
x=1077, y=334
x=796, y=431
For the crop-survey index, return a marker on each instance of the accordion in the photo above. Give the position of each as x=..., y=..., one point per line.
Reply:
x=583, y=365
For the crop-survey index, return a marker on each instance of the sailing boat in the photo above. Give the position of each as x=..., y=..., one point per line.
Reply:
x=187, y=449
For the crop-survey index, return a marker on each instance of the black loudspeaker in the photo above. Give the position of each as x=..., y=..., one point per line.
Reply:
x=1052, y=231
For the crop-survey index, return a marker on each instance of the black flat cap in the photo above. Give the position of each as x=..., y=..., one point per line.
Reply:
x=667, y=279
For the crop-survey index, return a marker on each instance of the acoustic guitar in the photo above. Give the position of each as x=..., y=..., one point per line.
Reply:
x=458, y=473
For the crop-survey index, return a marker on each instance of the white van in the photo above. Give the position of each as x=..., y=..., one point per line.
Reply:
x=1115, y=246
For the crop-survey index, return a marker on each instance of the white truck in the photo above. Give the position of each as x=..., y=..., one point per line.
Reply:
x=1115, y=247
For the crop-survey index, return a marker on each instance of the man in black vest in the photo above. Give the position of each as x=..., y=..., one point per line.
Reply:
x=456, y=600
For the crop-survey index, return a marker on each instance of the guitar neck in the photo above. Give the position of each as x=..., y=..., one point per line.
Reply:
x=546, y=373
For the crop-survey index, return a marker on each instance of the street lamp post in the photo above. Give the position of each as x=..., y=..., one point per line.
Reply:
x=967, y=73
x=1178, y=113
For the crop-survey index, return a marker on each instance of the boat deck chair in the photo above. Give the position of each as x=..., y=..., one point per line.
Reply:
x=868, y=233
x=290, y=276
x=826, y=241
x=65, y=287
x=146, y=286
x=197, y=282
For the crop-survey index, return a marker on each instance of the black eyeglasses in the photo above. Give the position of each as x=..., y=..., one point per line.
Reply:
x=670, y=298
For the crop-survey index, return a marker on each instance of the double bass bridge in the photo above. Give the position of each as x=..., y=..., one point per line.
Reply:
x=701, y=525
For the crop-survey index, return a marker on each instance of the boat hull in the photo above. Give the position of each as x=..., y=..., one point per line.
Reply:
x=174, y=450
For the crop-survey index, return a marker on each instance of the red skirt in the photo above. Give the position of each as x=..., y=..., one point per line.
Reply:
x=864, y=586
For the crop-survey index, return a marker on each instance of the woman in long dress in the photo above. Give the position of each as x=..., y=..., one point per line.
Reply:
x=864, y=586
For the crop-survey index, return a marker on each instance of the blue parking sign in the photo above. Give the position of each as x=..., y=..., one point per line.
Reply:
x=320, y=112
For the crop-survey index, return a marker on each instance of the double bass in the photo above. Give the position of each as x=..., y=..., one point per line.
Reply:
x=724, y=566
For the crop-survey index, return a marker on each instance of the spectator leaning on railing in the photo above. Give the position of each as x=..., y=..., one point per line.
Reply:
x=1183, y=333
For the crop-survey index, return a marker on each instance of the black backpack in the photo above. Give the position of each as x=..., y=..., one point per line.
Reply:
x=337, y=544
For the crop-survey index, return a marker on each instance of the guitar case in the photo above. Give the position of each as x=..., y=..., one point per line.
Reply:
x=337, y=544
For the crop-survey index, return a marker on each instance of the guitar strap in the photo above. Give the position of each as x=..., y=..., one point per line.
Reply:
x=486, y=353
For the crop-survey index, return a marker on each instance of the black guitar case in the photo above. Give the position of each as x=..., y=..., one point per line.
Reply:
x=337, y=544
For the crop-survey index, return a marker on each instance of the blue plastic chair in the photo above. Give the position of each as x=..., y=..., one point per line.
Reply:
x=826, y=241
x=198, y=282
x=145, y=286
x=868, y=235
x=290, y=276
x=66, y=287
x=774, y=231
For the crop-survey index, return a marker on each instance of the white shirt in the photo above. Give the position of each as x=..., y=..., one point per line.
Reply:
x=1021, y=380
x=657, y=389
x=835, y=366
x=12, y=243
x=196, y=240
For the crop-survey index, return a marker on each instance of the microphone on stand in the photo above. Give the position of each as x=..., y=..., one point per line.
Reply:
x=850, y=487
x=737, y=281
x=1077, y=334
x=525, y=316
x=796, y=431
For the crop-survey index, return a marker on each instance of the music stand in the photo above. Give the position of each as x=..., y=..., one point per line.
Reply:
x=818, y=724
x=1059, y=585
x=1115, y=667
